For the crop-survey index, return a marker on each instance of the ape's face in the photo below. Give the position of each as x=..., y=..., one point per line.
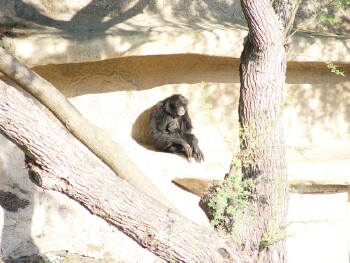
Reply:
x=177, y=105
x=180, y=109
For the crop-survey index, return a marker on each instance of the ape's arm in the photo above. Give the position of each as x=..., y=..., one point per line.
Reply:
x=186, y=124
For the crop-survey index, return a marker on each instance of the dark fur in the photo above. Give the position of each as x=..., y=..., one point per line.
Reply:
x=171, y=127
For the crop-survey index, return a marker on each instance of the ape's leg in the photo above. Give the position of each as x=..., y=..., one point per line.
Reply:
x=175, y=144
x=193, y=142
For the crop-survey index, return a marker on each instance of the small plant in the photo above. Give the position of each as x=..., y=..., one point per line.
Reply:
x=334, y=69
x=343, y=3
x=330, y=6
x=206, y=104
x=66, y=258
x=229, y=202
x=205, y=97
x=329, y=19
x=272, y=237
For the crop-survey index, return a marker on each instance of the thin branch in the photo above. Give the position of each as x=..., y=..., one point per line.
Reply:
x=312, y=17
x=291, y=19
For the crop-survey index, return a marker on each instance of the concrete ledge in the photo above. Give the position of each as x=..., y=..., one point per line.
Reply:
x=321, y=165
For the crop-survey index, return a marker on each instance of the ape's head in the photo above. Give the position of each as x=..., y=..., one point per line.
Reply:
x=176, y=105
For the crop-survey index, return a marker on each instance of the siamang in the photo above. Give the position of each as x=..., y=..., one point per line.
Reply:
x=171, y=126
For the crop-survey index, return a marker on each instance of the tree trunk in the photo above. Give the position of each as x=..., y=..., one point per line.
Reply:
x=57, y=161
x=92, y=137
x=262, y=74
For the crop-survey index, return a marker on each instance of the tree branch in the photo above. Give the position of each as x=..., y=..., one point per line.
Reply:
x=262, y=23
x=263, y=161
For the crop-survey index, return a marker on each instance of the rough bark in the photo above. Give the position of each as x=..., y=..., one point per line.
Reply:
x=262, y=74
x=94, y=138
x=57, y=161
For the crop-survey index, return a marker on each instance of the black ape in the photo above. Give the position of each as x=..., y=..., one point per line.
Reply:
x=171, y=126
